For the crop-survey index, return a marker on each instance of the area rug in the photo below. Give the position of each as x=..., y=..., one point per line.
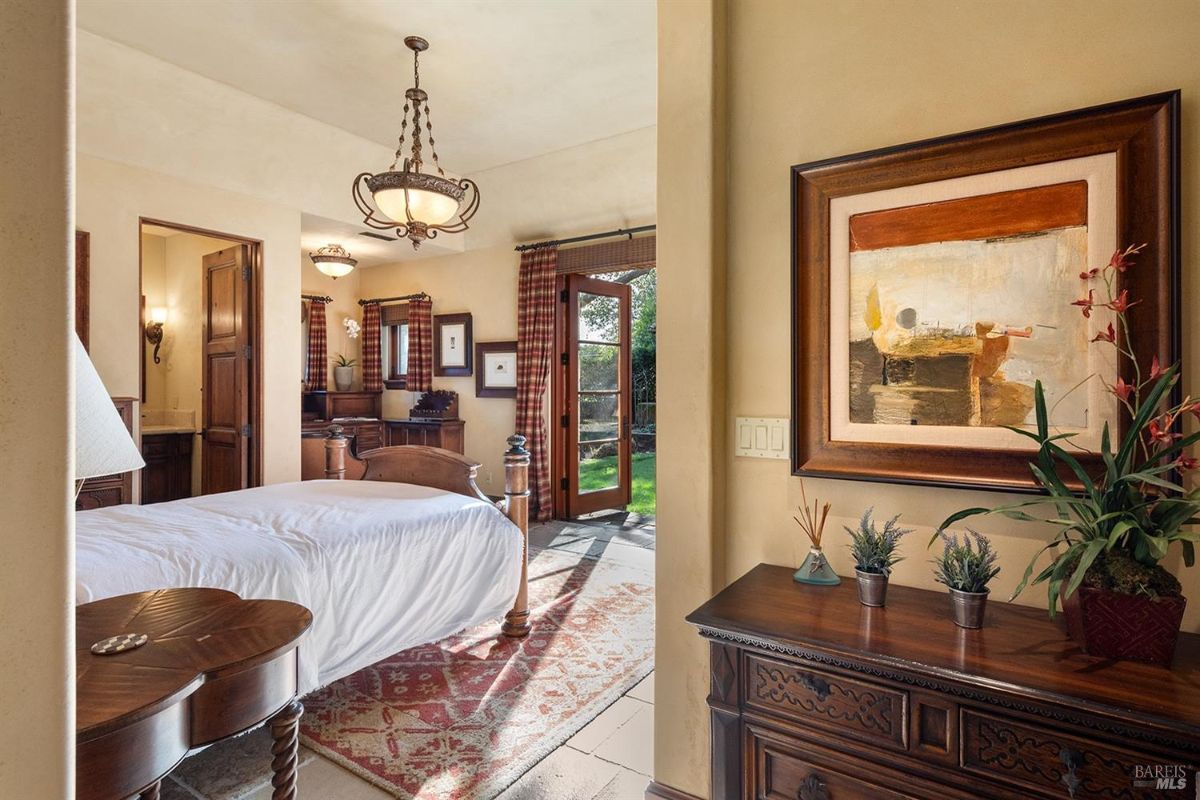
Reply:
x=465, y=717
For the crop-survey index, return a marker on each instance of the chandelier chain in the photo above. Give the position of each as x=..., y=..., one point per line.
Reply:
x=432, y=144
x=416, y=137
x=400, y=144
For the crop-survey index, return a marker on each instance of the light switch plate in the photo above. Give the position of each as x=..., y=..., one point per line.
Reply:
x=761, y=437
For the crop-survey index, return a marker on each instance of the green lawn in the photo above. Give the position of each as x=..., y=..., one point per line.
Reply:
x=600, y=473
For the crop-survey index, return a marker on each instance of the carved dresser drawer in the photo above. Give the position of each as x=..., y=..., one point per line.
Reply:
x=781, y=771
x=815, y=697
x=842, y=705
x=1054, y=763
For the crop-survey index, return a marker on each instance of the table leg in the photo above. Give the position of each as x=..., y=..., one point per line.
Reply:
x=285, y=731
x=151, y=791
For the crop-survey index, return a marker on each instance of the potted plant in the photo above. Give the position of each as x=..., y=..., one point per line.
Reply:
x=874, y=556
x=815, y=569
x=966, y=570
x=343, y=373
x=1119, y=601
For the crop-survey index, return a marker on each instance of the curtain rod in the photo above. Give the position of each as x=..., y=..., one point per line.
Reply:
x=417, y=296
x=317, y=298
x=521, y=248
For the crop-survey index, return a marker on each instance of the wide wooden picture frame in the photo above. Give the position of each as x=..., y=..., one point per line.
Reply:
x=957, y=242
x=453, y=345
x=496, y=369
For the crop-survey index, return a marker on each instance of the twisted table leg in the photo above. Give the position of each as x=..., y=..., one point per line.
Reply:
x=285, y=730
x=150, y=792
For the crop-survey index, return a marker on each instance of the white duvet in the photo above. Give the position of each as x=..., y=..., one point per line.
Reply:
x=382, y=566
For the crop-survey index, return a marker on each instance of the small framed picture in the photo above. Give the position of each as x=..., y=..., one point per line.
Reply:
x=452, y=345
x=496, y=369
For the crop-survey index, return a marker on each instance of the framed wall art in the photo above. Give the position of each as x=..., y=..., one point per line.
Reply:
x=496, y=369
x=452, y=345
x=933, y=282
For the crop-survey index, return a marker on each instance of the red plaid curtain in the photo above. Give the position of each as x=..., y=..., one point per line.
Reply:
x=420, y=345
x=315, y=378
x=535, y=346
x=372, y=358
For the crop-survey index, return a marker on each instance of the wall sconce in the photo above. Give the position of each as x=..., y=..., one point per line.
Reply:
x=154, y=329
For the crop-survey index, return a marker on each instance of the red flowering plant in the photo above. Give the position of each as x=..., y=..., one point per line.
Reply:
x=1113, y=534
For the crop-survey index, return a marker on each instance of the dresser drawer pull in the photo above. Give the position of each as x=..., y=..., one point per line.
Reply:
x=815, y=684
x=1072, y=760
x=813, y=788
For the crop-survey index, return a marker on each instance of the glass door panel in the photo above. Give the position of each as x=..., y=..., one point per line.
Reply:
x=599, y=387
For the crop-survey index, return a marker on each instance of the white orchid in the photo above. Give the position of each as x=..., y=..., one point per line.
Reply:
x=352, y=327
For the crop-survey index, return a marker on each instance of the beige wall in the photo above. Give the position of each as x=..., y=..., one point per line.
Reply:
x=484, y=283
x=809, y=80
x=110, y=199
x=691, y=376
x=37, y=593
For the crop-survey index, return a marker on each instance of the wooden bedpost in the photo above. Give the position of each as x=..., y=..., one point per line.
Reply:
x=335, y=454
x=516, y=497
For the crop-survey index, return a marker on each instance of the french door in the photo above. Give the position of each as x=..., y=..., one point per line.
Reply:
x=598, y=383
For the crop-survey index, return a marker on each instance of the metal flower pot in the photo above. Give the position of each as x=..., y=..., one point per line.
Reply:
x=872, y=588
x=343, y=377
x=968, y=608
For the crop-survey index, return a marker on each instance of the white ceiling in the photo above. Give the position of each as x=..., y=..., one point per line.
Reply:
x=507, y=81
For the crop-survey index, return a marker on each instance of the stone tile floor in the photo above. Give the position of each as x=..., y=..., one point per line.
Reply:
x=610, y=758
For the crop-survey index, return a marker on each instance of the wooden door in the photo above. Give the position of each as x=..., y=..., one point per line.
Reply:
x=225, y=459
x=599, y=396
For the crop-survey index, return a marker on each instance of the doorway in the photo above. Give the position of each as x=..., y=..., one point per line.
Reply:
x=201, y=382
x=604, y=394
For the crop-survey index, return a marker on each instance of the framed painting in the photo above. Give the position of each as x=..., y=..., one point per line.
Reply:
x=452, y=345
x=496, y=369
x=933, y=282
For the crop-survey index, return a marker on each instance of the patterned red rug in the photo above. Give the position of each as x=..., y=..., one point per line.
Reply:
x=464, y=718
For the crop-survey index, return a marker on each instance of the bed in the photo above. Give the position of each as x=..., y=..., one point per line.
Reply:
x=397, y=547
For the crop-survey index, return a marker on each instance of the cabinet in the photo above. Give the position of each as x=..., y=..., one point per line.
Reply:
x=110, y=490
x=168, y=471
x=332, y=405
x=444, y=433
x=815, y=697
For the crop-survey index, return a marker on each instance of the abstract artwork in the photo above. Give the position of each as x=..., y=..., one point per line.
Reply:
x=943, y=329
x=934, y=285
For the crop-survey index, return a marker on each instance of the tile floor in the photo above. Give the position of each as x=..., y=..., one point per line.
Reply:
x=608, y=759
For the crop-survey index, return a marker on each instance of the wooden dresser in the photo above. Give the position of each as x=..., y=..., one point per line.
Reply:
x=110, y=490
x=815, y=697
x=444, y=433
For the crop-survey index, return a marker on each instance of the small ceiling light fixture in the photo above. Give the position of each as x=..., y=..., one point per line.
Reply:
x=416, y=204
x=333, y=260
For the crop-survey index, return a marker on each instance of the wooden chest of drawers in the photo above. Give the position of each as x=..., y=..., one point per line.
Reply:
x=444, y=433
x=815, y=697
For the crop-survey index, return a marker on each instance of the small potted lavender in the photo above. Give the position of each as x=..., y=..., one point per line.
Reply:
x=966, y=570
x=874, y=554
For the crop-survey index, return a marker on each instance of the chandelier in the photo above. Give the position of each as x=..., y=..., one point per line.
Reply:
x=333, y=260
x=416, y=204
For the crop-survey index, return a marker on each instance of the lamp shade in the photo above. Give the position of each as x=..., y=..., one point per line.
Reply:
x=102, y=444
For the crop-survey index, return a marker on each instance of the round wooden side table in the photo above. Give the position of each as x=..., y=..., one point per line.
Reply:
x=213, y=665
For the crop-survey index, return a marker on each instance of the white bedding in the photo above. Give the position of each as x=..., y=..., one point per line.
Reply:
x=382, y=566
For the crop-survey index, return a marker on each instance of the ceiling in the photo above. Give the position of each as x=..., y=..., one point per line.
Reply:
x=507, y=81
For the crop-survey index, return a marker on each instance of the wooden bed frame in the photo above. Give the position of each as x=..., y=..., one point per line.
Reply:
x=442, y=469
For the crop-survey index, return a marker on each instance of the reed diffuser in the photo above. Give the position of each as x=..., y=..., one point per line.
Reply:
x=815, y=569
